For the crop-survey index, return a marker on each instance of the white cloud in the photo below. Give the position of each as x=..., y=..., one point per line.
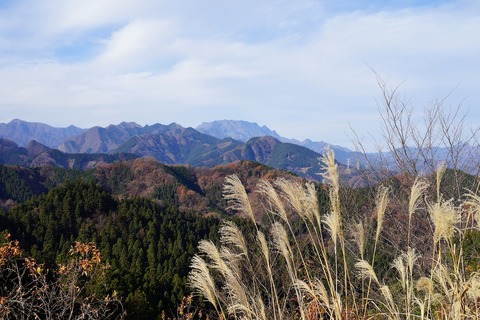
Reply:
x=140, y=44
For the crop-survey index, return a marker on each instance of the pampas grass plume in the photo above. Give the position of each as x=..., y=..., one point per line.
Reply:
x=381, y=202
x=444, y=216
x=236, y=195
x=358, y=233
x=365, y=271
x=333, y=224
x=442, y=167
x=418, y=188
x=425, y=284
x=231, y=235
x=201, y=280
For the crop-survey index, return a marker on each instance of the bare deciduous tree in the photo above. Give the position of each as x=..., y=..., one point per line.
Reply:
x=413, y=144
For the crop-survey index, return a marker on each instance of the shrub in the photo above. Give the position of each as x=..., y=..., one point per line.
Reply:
x=29, y=291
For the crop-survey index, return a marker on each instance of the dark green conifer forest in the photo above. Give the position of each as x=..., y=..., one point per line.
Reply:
x=148, y=246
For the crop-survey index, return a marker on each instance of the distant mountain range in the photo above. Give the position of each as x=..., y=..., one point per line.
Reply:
x=36, y=154
x=22, y=132
x=244, y=130
x=211, y=144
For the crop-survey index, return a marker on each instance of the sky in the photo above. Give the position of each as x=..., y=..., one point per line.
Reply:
x=304, y=68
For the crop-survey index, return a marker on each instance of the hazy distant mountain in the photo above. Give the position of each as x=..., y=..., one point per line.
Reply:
x=36, y=154
x=174, y=144
x=22, y=132
x=180, y=145
x=188, y=146
x=286, y=156
x=236, y=129
x=244, y=130
x=103, y=140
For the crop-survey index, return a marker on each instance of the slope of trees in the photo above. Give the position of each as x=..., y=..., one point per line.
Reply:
x=148, y=247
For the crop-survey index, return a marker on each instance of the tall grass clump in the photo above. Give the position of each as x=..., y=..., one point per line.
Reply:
x=308, y=263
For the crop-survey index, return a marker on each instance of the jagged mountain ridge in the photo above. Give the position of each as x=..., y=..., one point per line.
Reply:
x=236, y=129
x=103, y=140
x=189, y=146
x=174, y=144
x=36, y=154
x=244, y=130
x=22, y=132
x=181, y=146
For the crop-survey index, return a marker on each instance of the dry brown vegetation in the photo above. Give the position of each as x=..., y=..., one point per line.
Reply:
x=328, y=268
x=29, y=291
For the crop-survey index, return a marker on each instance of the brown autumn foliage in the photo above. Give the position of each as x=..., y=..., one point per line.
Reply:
x=30, y=291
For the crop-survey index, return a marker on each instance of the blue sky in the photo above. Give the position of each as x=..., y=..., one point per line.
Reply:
x=303, y=67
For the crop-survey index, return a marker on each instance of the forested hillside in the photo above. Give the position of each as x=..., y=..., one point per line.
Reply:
x=146, y=219
x=147, y=246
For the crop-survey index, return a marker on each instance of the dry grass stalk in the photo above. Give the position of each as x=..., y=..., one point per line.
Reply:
x=381, y=202
x=236, y=195
x=358, y=233
x=442, y=167
x=365, y=271
x=231, y=235
x=266, y=188
x=418, y=189
x=201, y=281
x=311, y=285
x=445, y=216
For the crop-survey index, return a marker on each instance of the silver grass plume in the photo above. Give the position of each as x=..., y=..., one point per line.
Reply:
x=390, y=303
x=266, y=188
x=425, y=284
x=358, y=232
x=473, y=203
x=311, y=202
x=399, y=265
x=418, y=188
x=266, y=255
x=264, y=247
x=381, y=202
x=212, y=252
x=231, y=235
x=442, y=167
x=201, y=280
x=365, y=271
x=474, y=286
x=421, y=306
x=444, y=216
x=282, y=244
x=232, y=260
x=411, y=257
x=331, y=172
x=235, y=308
x=404, y=265
x=293, y=193
x=233, y=286
x=260, y=307
x=442, y=277
x=315, y=291
x=332, y=220
x=333, y=224
x=236, y=195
